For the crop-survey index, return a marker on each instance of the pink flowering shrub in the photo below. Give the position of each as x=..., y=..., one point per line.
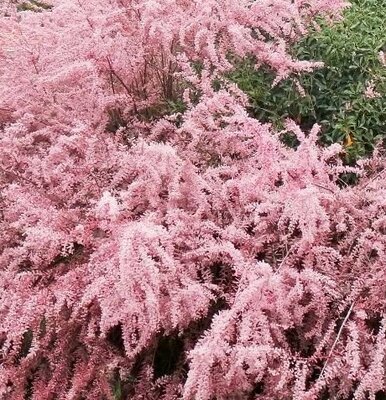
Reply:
x=188, y=256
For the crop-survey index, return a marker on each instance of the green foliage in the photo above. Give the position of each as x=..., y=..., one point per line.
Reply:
x=335, y=93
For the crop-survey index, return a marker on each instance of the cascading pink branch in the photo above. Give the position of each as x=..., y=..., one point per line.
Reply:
x=193, y=256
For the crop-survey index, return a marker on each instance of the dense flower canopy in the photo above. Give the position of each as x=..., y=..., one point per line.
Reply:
x=153, y=254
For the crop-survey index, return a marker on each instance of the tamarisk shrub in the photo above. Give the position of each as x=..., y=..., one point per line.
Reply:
x=189, y=256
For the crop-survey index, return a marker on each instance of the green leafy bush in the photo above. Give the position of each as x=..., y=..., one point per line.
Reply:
x=334, y=94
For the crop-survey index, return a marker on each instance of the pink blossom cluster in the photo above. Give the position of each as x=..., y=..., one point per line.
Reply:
x=370, y=91
x=185, y=256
